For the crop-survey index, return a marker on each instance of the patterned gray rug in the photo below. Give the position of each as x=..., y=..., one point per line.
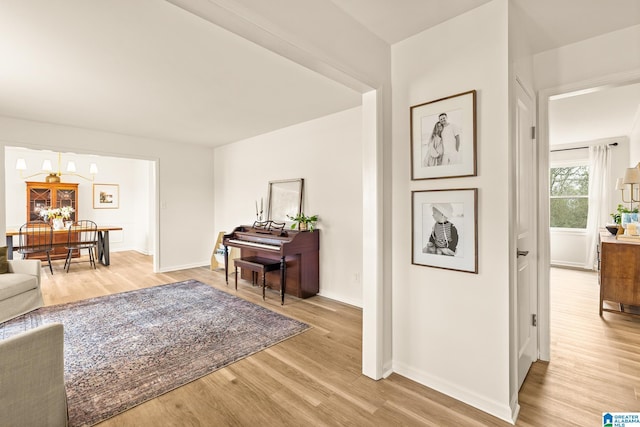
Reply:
x=124, y=349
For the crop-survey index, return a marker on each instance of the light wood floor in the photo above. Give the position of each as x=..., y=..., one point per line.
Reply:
x=314, y=378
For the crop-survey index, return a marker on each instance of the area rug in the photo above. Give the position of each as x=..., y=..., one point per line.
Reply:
x=124, y=349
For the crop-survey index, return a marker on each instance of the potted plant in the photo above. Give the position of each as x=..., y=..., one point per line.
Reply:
x=617, y=219
x=303, y=222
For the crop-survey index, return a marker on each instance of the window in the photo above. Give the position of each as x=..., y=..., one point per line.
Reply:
x=569, y=190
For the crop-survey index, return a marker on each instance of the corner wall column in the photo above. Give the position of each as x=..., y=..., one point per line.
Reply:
x=372, y=235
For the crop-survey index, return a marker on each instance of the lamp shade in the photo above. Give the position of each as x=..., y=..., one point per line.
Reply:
x=632, y=176
x=71, y=166
x=46, y=166
x=620, y=184
x=21, y=165
x=93, y=169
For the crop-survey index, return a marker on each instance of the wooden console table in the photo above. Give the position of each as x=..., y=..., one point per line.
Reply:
x=619, y=272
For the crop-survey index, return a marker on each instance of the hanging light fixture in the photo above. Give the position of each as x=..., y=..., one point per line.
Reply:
x=53, y=176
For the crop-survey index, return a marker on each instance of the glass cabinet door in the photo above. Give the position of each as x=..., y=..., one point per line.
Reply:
x=39, y=199
x=66, y=198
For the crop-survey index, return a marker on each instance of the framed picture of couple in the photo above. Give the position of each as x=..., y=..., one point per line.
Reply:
x=443, y=137
x=444, y=229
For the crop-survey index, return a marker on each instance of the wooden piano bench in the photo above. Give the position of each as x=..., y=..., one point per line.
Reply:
x=259, y=265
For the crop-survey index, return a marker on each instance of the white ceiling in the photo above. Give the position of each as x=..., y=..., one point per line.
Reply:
x=601, y=113
x=149, y=68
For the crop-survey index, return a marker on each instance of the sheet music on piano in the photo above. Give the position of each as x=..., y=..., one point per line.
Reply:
x=269, y=225
x=268, y=239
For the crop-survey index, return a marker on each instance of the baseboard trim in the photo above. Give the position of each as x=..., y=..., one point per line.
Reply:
x=504, y=412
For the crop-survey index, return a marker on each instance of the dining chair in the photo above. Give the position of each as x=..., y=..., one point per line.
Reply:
x=83, y=234
x=36, y=237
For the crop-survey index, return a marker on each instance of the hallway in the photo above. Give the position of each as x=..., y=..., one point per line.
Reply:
x=595, y=361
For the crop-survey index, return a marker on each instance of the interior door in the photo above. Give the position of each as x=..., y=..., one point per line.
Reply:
x=526, y=287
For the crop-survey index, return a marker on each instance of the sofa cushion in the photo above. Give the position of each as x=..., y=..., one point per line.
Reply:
x=4, y=265
x=15, y=284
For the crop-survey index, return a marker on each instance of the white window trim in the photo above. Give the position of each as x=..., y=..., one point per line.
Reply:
x=565, y=230
x=565, y=164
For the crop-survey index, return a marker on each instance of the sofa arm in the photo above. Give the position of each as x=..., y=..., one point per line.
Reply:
x=26, y=266
x=32, y=386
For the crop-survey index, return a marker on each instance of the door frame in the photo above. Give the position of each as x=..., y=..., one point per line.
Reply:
x=544, y=258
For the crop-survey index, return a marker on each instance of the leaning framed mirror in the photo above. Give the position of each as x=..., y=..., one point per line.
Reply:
x=284, y=198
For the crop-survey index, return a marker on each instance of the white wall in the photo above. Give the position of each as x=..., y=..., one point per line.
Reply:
x=634, y=142
x=327, y=154
x=613, y=54
x=451, y=329
x=132, y=177
x=184, y=190
x=569, y=247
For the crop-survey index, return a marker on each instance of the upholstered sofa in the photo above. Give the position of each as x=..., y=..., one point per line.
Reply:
x=32, y=390
x=20, y=288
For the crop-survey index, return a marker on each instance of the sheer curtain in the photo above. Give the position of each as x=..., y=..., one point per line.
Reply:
x=599, y=198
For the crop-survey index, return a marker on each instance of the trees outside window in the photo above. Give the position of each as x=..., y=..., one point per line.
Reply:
x=569, y=190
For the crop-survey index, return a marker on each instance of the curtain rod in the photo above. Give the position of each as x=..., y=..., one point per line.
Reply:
x=613, y=144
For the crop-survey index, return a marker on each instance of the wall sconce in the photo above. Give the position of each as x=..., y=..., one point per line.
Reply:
x=51, y=175
x=631, y=178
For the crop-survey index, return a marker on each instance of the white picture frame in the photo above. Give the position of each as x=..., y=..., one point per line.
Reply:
x=106, y=196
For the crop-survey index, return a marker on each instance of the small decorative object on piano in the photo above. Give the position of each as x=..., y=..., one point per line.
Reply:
x=303, y=222
x=259, y=213
x=268, y=225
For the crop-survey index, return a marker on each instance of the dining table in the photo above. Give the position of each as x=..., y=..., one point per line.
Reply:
x=102, y=244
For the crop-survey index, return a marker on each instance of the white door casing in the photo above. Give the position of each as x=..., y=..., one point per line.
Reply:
x=526, y=286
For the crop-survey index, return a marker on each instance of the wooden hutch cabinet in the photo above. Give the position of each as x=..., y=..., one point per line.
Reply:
x=41, y=195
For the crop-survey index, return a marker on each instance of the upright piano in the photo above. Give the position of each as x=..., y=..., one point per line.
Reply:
x=297, y=251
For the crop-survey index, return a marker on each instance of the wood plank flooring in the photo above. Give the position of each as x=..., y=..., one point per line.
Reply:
x=595, y=361
x=315, y=378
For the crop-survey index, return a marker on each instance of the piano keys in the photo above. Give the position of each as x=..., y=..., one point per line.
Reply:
x=300, y=251
x=241, y=243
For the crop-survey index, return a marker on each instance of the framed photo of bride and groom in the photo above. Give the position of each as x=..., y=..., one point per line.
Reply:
x=443, y=137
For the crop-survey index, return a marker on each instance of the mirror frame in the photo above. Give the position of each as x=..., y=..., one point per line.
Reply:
x=284, y=198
